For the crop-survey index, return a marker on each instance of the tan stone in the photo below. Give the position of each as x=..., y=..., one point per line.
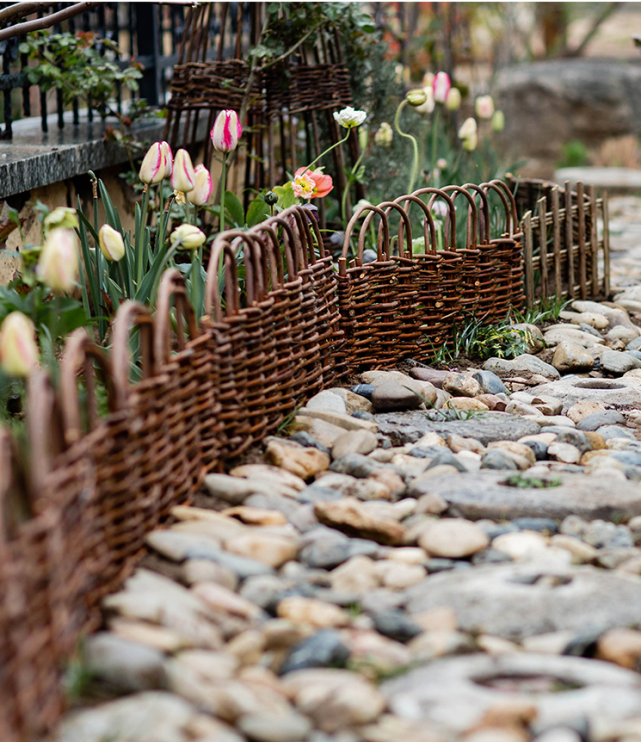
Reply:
x=334, y=699
x=581, y=552
x=353, y=402
x=430, y=439
x=621, y=646
x=461, y=385
x=347, y=422
x=204, y=570
x=432, y=644
x=280, y=633
x=354, y=441
x=545, y=438
x=141, y=632
x=467, y=403
x=325, y=433
x=492, y=401
x=247, y=647
x=399, y=576
x=496, y=644
x=349, y=515
x=256, y=516
x=270, y=476
x=221, y=599
x=357, y=575
x=596, y=439
x=267, y=548
x=431, y=504
x=521, y=545
x=389, y=479
x=407, y=555
x=520, y=449
x=582, y=409
x=311, y=611
x=303, y=462
x=370, y=648
x=457, y=443
x=438, y=619
x=453, y=538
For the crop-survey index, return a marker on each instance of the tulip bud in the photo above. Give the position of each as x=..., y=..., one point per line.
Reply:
x=384, y=135
x=484, y=107
x=468, y=128
x=469, y=144
x=453, y=100
x=169, y=159
x=429, y=104
x=58, y=262
x=111, y=243
x=498, y=121
x=183, y=176
x=441, y=163
x=441, y=86
x=18, y=348
x=152, y=169
x=416, y=97
x=271, y=199
x=226, y=132
x=61, y=217
x=187, y=237
x=202, y=186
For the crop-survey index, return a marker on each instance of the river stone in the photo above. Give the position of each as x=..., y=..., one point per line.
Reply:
x=461, y=385
x=519, y=600
x=523, y=362
x=486, y=427
x=459, y=692
x=483, y=495
x=596, y=420
x=433, y=375
x=490, y=382
x=154, y=716
x=571, y=389
x=618, y=362
x=570, y=356
x=396, y=395
x=615, y=431
x=327, y=401
x=325, y=648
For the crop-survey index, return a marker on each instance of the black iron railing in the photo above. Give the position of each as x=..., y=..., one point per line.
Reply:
x=149, y=33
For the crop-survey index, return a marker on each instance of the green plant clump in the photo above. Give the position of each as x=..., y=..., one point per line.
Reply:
x=524, y=482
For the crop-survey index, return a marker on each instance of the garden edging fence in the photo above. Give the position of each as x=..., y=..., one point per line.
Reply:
x=73, y=524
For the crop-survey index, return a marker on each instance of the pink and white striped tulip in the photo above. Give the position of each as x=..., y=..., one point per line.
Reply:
x=202, y=186
x=169, y=158
x=58, y=262
x=18, y=348
x=441, y=86
x=183, y=177
x=111, y=243
x=226, y=132
x=152, y=169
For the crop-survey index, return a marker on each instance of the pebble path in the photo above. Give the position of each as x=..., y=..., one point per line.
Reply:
x=466, y=567
x=625, y=240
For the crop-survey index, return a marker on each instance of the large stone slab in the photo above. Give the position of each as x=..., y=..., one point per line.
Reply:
x=618, y=393
x=483, y=495
x=518, y=600
x=486, y=427
x=460, y=691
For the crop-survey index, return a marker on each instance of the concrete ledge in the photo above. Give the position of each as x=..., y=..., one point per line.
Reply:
x=33, y=158
x=611, y=179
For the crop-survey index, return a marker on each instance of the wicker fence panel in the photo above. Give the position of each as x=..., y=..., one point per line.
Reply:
x=286, y=326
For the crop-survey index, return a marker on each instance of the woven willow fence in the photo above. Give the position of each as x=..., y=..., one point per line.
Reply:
x=73, y=523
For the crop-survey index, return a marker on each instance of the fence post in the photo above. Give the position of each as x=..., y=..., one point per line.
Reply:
x=148, y=37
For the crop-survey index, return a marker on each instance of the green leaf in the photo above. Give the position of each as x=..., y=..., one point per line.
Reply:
x=234, y=208
x=257, y=212
x=286, y=197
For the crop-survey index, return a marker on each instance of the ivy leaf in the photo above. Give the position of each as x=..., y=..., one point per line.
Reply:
x=286, y=197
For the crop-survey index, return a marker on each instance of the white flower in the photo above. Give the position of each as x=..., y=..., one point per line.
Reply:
x=349, y=117
x=484, y=107
x=439, y=209
x=430, y=103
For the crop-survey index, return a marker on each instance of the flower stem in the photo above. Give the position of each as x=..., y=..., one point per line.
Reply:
x=329, y=149
x=415, y=164
x=434, y=140
x=222, y=194
x=348, y=184
x=140, y=234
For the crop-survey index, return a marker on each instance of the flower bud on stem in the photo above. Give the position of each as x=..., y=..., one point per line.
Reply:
x=415, y=165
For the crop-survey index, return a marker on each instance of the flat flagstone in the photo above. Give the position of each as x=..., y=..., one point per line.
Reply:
x=484, y=495
x=486, y=427
x=519, y=600
x=460, y=691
